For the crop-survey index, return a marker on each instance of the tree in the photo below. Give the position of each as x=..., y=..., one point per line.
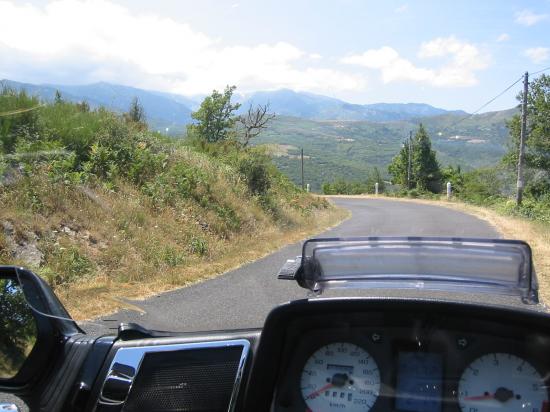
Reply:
x=83, y=106
x=425, y=167
x=136, y=113
x=425, y=172
x=254, y=121
x=453, y=175
x=537, y=149
x=215, y=117
x=398, y=168
x=58, y=99
x=374, y=178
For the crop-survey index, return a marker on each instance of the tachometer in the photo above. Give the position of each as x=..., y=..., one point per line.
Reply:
x=503, y=382
x=340, y=376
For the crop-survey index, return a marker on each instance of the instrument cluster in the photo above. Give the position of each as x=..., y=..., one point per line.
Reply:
x=425, y=366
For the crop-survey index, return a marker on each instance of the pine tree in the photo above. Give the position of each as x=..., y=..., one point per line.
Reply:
x=58, y=99
x=398, y=168
x=425, y=172
x=136, y=113
x=425, y=167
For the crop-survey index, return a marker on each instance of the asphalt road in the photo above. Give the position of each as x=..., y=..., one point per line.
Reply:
x=243, y=297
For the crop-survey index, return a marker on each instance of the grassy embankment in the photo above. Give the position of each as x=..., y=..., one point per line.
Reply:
x=510, y=226
x=106, y=210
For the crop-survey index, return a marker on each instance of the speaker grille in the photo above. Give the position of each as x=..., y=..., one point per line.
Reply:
x=185, y=380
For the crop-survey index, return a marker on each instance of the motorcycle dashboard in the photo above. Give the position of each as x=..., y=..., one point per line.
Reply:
x=405, y=357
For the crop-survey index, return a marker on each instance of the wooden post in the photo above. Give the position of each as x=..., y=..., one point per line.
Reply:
x=302, y=157
x=522, y=138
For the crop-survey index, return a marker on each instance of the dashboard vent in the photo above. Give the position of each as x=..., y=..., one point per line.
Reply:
x=194, y=377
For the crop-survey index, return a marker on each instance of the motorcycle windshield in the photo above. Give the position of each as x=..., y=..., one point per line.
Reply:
x=450, y=264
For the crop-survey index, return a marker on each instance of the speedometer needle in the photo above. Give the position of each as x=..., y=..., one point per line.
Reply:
x=317, y=392
x=501, y=395
x=480, y=397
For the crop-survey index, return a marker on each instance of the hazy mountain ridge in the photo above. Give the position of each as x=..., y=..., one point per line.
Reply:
x=174, y=111
x=317, y=107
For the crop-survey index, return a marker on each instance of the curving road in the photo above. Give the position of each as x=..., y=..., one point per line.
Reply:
x=243, y=297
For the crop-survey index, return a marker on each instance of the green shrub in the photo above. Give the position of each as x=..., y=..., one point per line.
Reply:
x=66, y=265
x=12, y=126
x=531, y=208
x=198, y=246
x=256, y=170
x=172, y=257
x=481, y=186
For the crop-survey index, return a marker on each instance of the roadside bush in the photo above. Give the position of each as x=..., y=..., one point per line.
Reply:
x=67, y=265
x=255, y=169
x=11, y=126
x=481, y=186
x=531, y=208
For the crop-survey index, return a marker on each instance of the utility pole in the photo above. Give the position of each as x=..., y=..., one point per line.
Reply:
x=522, y=138
x=409, y=164
x=302, y=156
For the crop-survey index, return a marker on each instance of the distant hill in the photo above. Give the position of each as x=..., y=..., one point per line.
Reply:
x=162, y=111
x=349, y=149
x=316, y=107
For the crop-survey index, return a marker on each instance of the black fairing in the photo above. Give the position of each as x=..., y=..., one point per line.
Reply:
x=59, y=351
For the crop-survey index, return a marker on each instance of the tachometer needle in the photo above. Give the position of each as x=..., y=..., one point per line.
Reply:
x=317, y=392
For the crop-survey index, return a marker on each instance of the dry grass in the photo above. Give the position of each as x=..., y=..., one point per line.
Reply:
x=102, y=246
x=537, y=234
x=102, y=295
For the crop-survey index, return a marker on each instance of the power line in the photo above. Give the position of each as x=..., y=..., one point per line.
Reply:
x=485, y=104
x=19, y=111
x=494, y=98
x=540, y=71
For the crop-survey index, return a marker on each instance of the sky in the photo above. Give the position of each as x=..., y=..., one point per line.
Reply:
x=451, y=54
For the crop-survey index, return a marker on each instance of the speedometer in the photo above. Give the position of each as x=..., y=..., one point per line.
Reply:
x=503, y=382
x=340, y=377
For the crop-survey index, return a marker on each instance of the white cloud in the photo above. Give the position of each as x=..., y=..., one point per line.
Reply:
x=402, y=9
x=529, y=18
x=91, y=40
x=392, y=67
x=462, y=61
x=503, y=37
x=538, y=54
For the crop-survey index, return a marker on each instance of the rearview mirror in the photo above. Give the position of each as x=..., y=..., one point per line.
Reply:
x=34, y=327
x=18, y=328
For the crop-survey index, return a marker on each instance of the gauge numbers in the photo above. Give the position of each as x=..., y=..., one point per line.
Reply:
x=340, y=377
x=502, y=382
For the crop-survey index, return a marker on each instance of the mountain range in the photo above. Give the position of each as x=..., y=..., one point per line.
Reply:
x=173, y=111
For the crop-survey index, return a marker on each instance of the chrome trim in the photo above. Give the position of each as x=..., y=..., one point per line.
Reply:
x=133, y=356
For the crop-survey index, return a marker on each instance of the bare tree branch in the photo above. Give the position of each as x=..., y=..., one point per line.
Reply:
x=254, y=122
